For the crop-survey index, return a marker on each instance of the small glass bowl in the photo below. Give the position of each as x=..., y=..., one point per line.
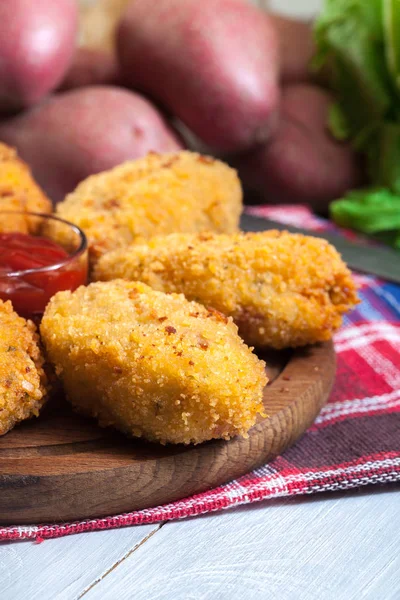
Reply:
x=30, y=289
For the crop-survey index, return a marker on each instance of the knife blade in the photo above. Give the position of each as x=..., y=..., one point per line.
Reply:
x=373, y=260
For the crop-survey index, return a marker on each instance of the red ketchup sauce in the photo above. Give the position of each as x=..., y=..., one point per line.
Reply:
x=30, y=292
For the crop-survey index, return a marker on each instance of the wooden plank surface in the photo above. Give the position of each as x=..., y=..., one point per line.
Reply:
x=342, y=547
x=63, y=568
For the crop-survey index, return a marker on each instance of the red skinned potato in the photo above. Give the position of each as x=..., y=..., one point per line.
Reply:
x=213, y=64
x=77, y=133
x=297, y=47
x=303, y=162
x=91, y=67
x=36, y=45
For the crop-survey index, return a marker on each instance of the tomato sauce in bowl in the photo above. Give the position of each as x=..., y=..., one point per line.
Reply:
x=35, y=266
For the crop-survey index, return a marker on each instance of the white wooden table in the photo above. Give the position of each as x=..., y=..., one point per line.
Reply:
x=336, y=547
x=342, y=547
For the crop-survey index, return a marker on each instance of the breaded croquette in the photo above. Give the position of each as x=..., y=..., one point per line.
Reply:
x=153, y=365
x=282, y=290
x=23, y=382
x=158, y=194
x=18, y=192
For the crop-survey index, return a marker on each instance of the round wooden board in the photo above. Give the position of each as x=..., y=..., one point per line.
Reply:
x=63, y=467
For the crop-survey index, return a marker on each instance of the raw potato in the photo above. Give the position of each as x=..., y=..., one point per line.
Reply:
x=87, y=130
x=297, y=48
x=36, y=45
x=91, y=67
x=18, y=192
x=151, y=364
x=282, y=290
x=95, y=61
x=212, y=63
x=158, y=194
x=303, y=162
x=23, y=382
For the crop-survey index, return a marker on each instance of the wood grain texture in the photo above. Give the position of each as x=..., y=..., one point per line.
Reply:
x=331, y=547
x=64, y=467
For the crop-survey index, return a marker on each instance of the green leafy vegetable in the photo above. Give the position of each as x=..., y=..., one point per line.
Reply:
x=374, y=211
x=391, y=24
x=349, y=35
x=358, y=41
x=338, y=123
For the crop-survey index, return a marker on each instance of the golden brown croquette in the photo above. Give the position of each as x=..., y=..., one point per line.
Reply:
x=23, y=383
x=18, y=192
x=152, y=364
x=158, y=194
x=282, y=290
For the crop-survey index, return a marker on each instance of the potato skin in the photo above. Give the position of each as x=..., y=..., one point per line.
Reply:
x=297, y=48
x=88, y=130
x=303, y=162
x=23, y=382
x=157, y=194
x=213, y=64
x=151, y=364
x=89, y=67
x=18, y=192
x=36, y=45
x=282, y=290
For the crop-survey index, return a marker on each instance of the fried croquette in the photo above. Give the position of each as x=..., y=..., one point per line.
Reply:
x=23, y=382
x=153, y=365
x=157, y=194
x=19, y=193
x=282, y=290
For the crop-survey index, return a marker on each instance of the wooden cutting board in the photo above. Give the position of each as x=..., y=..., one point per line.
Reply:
x=64, y=467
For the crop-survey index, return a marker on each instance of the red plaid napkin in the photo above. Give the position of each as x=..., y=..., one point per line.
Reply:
x=354, y=442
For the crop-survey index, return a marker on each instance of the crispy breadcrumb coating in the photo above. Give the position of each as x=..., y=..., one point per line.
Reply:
x=282, y=290
x=158, y=194
x=153, y=364
x=23, y=382
x=18, y=192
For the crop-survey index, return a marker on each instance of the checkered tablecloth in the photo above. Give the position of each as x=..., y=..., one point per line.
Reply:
x=355, y=440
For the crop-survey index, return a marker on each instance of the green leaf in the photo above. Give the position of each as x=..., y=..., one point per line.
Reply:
x=358, y=41
x=391, y=30
x=349, y=38
x=384, y=157
x=338, y=123
x=370, y=211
